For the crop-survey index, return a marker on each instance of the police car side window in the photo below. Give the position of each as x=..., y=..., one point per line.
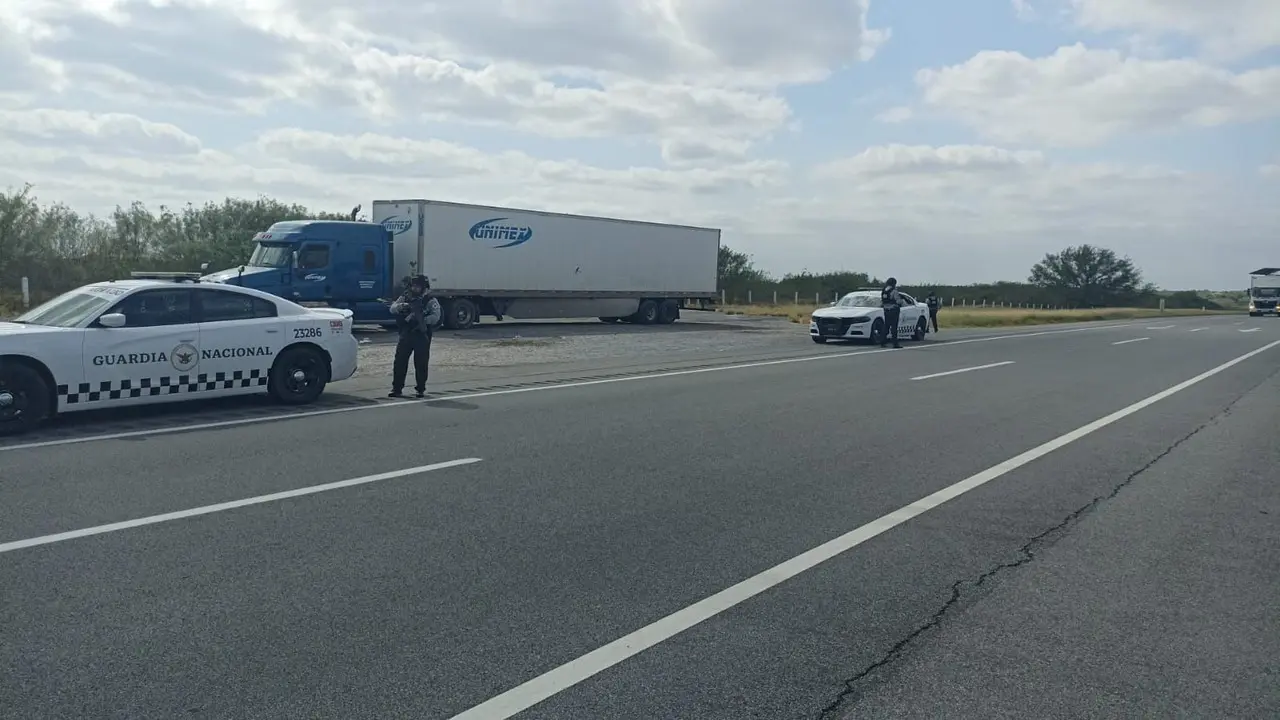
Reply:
x=222, y=306
x=155, y=308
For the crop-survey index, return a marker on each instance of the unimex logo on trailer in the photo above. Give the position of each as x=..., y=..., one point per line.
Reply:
x=397, y=225
x=497, y=229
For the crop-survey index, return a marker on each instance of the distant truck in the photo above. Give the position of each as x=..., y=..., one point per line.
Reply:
x=484, y=260
x=1264, y=291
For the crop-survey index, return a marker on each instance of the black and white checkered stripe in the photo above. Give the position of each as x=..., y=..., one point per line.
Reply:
x=164, y=385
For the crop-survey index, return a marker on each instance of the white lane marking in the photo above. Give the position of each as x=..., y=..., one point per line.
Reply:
x=1126, y=342
x=207, y=509
x=1198, y=329
x=962, y=370
x=540, y=688
x=1251, y=330
x=1159, y=327
x=535, y=388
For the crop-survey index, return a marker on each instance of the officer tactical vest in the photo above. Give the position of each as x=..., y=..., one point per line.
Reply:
x=887, y=298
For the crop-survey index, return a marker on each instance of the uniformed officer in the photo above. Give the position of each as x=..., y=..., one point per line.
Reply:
x=934, y=303
x=418, y=314
x=891, y=303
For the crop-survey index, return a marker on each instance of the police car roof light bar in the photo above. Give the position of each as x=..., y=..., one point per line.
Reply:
x=175, y=276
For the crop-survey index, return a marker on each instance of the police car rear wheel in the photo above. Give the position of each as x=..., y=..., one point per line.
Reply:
x=24, y=399
x=299, y=376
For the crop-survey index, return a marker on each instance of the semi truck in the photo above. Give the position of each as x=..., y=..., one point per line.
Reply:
x=484, y=260
x=1264, y=291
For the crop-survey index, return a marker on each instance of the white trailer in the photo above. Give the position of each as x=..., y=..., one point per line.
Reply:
x=1264, y=292
x=527, y=264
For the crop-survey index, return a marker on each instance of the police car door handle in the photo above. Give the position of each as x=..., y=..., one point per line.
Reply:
x=273, y=331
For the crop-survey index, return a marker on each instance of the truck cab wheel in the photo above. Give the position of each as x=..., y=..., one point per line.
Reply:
x=298, y=376
x=25, y=399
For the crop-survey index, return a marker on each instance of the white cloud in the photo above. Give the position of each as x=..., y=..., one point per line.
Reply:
x=663, y=69
x=895, y=115
x=1226, y=28
x=1080, y=97
x=1271, y=170
x=77, y=129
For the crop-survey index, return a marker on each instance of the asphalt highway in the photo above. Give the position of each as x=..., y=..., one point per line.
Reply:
x=1055, y=523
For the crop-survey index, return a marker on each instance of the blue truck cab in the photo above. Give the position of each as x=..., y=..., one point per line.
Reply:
x=343, y=264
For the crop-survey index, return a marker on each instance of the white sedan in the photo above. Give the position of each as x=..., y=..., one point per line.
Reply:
x=858, y=316
x=165, y=337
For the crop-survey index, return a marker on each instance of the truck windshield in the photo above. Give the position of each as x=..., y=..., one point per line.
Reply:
x=67, y=310
x=1266, y=292
x=271, y=256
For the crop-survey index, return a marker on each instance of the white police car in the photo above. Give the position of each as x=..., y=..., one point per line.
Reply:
x=859, y=316
x=164, y=337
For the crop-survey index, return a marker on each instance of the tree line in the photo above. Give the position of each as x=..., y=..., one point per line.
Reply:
x=1082, y=276
x=57, y=248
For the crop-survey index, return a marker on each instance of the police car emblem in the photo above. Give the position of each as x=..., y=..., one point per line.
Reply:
x=184, y=357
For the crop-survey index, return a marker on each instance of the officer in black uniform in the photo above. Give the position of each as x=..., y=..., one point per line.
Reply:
x=934, y=303
x=416, y=316
x=891, y=303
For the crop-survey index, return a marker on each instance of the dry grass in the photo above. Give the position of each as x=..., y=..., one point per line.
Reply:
x=10, y=307
x=981, y=317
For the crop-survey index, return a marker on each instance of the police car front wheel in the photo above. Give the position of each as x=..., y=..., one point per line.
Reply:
x=24, y=399
x=299, y=376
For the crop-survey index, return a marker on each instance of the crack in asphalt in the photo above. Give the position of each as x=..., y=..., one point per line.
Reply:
x=1025, y=554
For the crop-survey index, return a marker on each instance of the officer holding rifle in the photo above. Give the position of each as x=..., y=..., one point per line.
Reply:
x=417, y=314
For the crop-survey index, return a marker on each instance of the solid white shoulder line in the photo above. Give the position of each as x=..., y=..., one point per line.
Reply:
x=575, y=671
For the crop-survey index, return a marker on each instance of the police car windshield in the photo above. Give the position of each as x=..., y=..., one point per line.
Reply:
x=1266, y=292
x=271, y=256
x=862, y=300
x=67, y=310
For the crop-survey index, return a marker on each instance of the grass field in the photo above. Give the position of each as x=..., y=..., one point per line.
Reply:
x=10, y=307
x=983, y=317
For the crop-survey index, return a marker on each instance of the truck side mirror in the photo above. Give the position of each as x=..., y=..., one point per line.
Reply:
x=293, y=255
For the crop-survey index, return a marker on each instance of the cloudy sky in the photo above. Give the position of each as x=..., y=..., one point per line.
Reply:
x=936, y=140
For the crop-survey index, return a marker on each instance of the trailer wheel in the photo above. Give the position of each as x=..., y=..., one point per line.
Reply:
x=668, y=311
x=647, y=314
x=460, y=314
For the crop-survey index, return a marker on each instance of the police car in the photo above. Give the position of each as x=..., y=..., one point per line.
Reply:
x=165, y=337
x=859, y=316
